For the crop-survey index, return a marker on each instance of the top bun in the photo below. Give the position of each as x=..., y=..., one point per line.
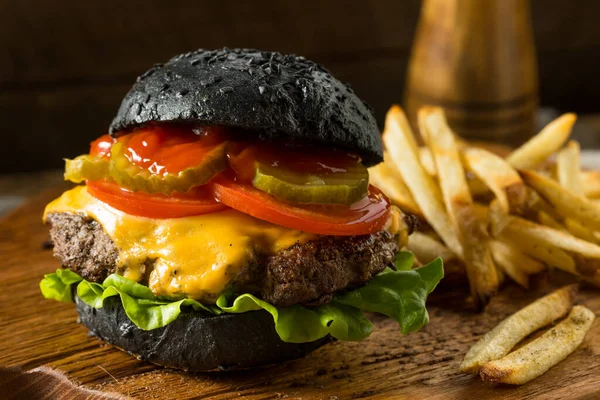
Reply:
x=269, y=93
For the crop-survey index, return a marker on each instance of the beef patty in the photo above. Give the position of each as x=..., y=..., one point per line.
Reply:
x=307, y=273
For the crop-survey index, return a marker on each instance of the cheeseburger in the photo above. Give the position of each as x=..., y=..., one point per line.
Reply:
x=227, y=220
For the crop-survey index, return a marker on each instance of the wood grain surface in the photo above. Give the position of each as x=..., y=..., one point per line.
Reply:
x=40, y=333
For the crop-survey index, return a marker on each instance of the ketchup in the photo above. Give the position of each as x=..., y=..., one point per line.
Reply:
x=101, y=146
x=164, y=149
x=301, y=159
x=171, y=149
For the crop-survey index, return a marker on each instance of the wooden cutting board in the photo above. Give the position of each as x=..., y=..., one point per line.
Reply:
x=41, y=333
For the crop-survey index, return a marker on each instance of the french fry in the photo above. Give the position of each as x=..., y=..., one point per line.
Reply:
x=546, y=219
x=502, y=258
x=536, y=205
x=477, y=188
x=569, y=177
x=427, y=249
x=400, y=143
x=481, y=271
x=499, y=341
x=545, y=244
x=591, y=183
x=499, y=176
x=427, y=161
x=541, y=250
x=387, y=179
x=401, y=123
x=431, y=234
x=460, y=142
x=538, y=356
x=521, y=260
x=577, y=229
x=568, y=168
x=534, y=221
x=482, y=211
x=497, y=218
x=566, y=203
x=552, y=237
x=590, y=180
x=541, y=146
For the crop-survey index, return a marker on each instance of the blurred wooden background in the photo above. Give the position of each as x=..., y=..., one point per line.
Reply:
x=64, y=65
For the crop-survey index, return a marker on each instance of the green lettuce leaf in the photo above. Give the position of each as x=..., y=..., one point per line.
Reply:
x=299, y=324
x=399, y=294
x=143, y=309
x=404, y=261
x=58, y=286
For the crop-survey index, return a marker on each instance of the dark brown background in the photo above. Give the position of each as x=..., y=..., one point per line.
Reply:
x=64, y=65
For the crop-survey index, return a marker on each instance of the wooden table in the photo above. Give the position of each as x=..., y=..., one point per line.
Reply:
x=35, y=332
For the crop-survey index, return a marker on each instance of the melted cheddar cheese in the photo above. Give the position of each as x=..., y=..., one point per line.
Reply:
x=193, y=257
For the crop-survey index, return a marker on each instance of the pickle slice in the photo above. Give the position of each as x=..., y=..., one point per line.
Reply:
x=136, y=178
x=86, y=167
x=338, y=188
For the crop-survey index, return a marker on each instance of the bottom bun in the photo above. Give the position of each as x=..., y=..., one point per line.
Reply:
x=196, y=341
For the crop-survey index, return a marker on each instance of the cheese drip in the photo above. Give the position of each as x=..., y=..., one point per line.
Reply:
x=194, y=257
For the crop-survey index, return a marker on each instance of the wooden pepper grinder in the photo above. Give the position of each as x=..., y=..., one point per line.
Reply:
x=476, y=58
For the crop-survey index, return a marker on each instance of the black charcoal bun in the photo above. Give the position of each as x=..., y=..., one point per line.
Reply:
x=264, y=92
x=196, y=341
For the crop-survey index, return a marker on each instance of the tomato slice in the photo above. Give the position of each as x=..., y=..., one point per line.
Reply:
x=196, y=202
x=366, y=216
x=161, y=149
